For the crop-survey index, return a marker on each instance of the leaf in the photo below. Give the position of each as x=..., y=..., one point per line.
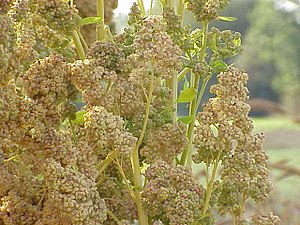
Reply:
x=79, y=117
x=237, y=41
x=187, y=95
x=90, y=20
x=219, y=66
x=186, y=119
x=39, y=177
x=186, y=84
x=227, y=18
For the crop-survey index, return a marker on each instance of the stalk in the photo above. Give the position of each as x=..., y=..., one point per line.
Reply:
x=135, y=161
x=209, y=188
x=187, y=153
x=174, y=95
x=78, y=45
x=142, y=6
x=180, y=9
x=182, y=74
x=100, y=27
x=84, y=44
x=113, y=216
x=238, y=218
x=169, y=3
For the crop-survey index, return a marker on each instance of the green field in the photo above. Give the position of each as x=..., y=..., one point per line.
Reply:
x=288, y=186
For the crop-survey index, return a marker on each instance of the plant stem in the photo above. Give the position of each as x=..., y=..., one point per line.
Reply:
x=169, y=3
x=186, y=158
x=174, y=95
x=135, y=161
x=180, y=9
x=85, y=46
x=182, y=73
x=210, y=185
x=78, y=45
x=172, y=83
x=151, y=7
x=242, y=208
x=100, y=27
x=142, y=7
x=113, y=216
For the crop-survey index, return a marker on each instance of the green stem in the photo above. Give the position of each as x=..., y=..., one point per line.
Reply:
x=129, y=189
x=172, y=83
x=182, y=74
x=210, y=185
x=242, y=207
x=72, y=130
x=78, y=45
x=186, y=158
x=174, y=95
x=142, y=7
x=169, y=3
x=113, y=216
x=100, y=27
x=180, y=9
x=151, y=7
x=85, y=46
x=135, y=161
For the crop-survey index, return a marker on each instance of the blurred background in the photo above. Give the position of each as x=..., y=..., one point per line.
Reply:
x=271, y=40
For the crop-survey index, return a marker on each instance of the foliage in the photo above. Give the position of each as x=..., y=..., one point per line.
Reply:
x=124, y=156
x=278, y=32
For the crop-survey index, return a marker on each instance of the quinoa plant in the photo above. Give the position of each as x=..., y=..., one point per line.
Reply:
x=90, y=134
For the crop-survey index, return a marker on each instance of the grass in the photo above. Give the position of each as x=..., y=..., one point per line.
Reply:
x=288, y=187
x=263, y=124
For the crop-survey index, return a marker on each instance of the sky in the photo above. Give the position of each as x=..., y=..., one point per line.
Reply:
x=124, y=5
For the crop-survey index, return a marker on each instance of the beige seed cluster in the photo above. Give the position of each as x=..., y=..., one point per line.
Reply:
x=71, y=194
x=5, y=6
x=47, y=79
x=225, y=134
x=106, y=130
x=206, y=10
x=165, y=143
x=267, y=219
x=171, y=193
x=154, y=45
x=53, y=20
x=7, y=49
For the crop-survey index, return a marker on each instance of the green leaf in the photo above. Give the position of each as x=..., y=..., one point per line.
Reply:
x=186, y=84
x=187, y=95
x=90, y=20
x=237, y=41
x=79, y=117
x=39, y=177
x=186, y=119
x=227, y=18
x=219, y=66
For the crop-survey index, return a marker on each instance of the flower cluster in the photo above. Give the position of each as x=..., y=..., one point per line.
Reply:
x=5, y=6
x=7, y=48
x=225, y=135
x=224, y=44
x=54, y=21
x=105, y=130
x=71, y=198
x=206, y=10
x=171, y=194
x=154, y=45
x=165, y=143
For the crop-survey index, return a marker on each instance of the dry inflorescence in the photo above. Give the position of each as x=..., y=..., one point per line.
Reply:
x=95, y=140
